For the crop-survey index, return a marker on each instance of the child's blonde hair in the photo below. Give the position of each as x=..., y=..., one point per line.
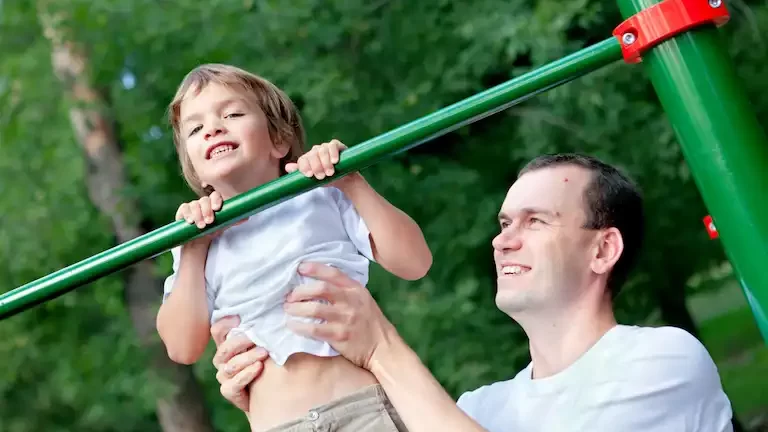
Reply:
x=284, y=121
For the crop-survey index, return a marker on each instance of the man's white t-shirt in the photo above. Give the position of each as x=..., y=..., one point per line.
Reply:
x=634, y=379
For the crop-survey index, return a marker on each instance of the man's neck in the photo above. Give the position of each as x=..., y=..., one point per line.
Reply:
x=557, y=340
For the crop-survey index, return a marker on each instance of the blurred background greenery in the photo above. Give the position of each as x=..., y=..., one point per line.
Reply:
x=88, y=161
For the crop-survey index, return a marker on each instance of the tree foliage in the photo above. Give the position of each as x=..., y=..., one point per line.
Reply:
x=356, y=69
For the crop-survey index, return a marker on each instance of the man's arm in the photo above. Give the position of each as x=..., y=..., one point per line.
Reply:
x=420, y=400
x=238, y=362
x=355, y=326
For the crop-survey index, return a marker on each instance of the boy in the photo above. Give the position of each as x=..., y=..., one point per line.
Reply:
x=235, y=131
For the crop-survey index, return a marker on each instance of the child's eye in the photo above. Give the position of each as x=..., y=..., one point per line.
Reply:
x=195, y=130
x=232, y=115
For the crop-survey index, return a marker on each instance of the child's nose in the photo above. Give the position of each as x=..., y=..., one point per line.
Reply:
x=212, y=132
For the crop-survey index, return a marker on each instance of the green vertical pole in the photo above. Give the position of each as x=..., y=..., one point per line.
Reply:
x=723, y=144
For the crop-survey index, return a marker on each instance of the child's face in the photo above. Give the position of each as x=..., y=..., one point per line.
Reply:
x=227, y=139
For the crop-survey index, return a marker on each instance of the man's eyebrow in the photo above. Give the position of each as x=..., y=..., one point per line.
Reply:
x=530, y=211
x=541, y=211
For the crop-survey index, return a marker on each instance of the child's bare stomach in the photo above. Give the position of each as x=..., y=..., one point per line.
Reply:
x=288, y=392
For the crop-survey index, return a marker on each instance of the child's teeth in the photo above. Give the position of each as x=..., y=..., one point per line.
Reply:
x=222, y=149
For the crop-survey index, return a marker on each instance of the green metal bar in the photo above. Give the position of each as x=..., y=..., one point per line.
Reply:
x=723, y=143
x=353, y=159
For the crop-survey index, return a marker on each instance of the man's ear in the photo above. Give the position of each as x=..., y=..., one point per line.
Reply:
x=610, y=245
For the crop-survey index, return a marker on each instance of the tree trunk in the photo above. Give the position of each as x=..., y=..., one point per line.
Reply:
x=671, y=299
x=184, y=409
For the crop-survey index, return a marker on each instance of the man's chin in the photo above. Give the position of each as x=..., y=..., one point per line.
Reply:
x=512, y=303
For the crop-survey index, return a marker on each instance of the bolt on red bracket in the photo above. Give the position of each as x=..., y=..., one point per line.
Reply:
x=664, y=20
x=710, y=226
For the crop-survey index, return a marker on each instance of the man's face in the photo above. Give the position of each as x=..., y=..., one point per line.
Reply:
x=543, y=253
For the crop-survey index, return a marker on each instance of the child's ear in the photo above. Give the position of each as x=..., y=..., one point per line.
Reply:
x=280, y=150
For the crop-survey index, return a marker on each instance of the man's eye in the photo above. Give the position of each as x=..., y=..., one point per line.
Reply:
x=504, y=224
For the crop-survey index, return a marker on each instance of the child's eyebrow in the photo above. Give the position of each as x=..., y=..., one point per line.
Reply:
x=219, y=105
x=189, y=118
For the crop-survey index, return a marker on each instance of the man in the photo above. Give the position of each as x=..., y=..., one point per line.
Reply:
x=571, y=228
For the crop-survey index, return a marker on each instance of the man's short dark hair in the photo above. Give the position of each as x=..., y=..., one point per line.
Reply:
x=611, y=200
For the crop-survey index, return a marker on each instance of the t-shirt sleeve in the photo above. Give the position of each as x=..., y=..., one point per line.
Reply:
x=354, y=224
x=171, y=280
x=487, y=405
x=678, y=384
x=468, y=403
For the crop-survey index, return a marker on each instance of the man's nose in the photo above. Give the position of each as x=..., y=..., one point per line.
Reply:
x=508, y=239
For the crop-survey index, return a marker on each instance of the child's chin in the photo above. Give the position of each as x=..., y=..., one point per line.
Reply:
x=222, y=169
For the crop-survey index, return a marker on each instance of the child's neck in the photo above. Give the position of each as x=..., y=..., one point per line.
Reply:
x=234, y=186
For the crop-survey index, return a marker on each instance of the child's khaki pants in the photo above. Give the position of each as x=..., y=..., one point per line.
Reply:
x=367, y=410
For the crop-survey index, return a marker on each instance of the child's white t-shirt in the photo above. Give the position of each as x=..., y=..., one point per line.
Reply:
x=634, y=379
x=251, y=267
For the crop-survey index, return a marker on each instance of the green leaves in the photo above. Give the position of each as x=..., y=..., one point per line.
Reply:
x=356, y=69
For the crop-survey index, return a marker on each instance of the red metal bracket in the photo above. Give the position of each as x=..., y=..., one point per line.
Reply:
x=710, y=225
x=664, y=20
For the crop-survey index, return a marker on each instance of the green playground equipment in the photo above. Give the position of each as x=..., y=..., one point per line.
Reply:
x=679, y=45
